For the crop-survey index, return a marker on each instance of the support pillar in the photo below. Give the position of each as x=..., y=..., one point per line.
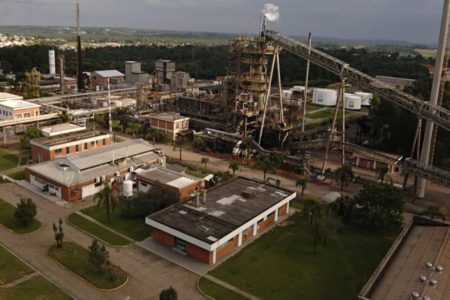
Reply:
x=214, y=256
x=239, y=239
x=255, y=229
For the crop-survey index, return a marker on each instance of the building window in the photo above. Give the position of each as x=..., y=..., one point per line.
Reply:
x=58, y=151
x=67, y=150
x=77, y=148
x=27, y=115
x=85, y=146
x=104, y=141
x=92, y=143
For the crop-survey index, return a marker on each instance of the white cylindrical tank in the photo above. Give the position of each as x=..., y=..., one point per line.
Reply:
x=298, y=88
x=352, y=102
x=287, y=94
x=128, y=188
x=51, y=62
x=325, y=97
x=366, y=98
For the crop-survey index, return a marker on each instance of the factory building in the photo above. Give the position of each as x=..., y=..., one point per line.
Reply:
x=134, y=74
x=164, y=70
x=180, y=184
x=84, y=174
x=218, y=222
x=63, y=128
x=50, y=148
x=170, y=122
x=99, y=79
x=180, y=81
x=18, y=109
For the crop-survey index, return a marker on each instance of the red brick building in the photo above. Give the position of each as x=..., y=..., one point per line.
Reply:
x=170, y=122
x=216, y=223
x=49, y=148
x=100, y=78
x=181, y=184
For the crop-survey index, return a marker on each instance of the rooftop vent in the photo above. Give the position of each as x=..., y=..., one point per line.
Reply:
x=249, y=193
x=439, y=268
x=433, y=282
x=415, y=296
x=429, y=265
x=423, y=278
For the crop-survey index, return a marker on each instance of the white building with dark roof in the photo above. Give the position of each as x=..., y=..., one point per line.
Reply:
x=84, y=174
x=216, y=223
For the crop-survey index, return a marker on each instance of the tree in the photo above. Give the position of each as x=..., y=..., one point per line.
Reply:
x=234, y=166
x=115, y=124
x=133, y=129
x=199, y=142
x=343, y=208
x=266, y=164
x=379, y=206
x=32, y=133
x=311, y=209
x=277, y=160
x=98, y=255
x=59, y=233
x=168, y=294
x=330, y=225
x=26, y=211
x=204, y=161
x=382, y=172
x=64, y=117
x=99, y=120
x=179, y=143
x=344, y=175
x=145, y=204
x=249, y=147
x=433, y=212
x=157, y=135
x=107, y=198
x=303, y=182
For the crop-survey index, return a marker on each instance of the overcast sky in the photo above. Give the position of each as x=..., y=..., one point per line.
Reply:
x=407, y=20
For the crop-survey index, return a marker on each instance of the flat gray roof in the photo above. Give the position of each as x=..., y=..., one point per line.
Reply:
x=168, y=177
x=226, y=209
x=67, y=138
x=169, y=116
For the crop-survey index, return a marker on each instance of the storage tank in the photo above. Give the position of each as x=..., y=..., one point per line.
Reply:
x=51, y=62
x=366, y=98
x=325, y=97
x=127, y=188
x=352, y=102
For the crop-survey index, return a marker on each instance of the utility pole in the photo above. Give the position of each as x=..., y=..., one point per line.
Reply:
x=429, y=127
x=344, y=103
x=61, y=73
x=305, y=94
x=109, y=109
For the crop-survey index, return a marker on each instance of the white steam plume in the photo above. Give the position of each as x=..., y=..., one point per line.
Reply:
x=271, y=12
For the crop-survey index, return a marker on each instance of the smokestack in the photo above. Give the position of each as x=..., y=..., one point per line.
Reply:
x=51, y=62
x=80, y=82
x=61, y=73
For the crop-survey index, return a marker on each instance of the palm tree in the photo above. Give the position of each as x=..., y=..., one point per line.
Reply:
x=64, y=117
x=311, y=209
x=342, y=207
x=234, y=166
x=108, y=198
x=277, y=160
x=115, y=124
x=266, y=164
x=303, y=182
x=204, y=161
x=133, y=129
x=382, y=172
x=344, y=175
x=433, y=212
x=179, y=143
x=249, y=148
x=99, y=120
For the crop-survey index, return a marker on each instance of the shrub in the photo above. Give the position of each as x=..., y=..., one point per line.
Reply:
x=26, y=211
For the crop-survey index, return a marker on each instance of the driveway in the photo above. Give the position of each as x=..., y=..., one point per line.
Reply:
x=149, y=274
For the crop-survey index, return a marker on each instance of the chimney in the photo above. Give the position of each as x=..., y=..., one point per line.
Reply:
x=197, y=200
x=51, y=62
x=204, y=197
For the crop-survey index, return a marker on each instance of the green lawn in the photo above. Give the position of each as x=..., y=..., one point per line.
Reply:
x=76, y=259
x=19, y=175
x=133, y=228
x=7, y=160
x=11, y=268
x=281, y=265
x=7, y=219
x=98, y=231
x=218, y=292
x=34, y=288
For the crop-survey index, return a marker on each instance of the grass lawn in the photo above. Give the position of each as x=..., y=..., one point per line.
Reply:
x=76, y=259
x=34, y=288
x=7, y=219
x=98, y=231
x=281, y=265
x=133, y=228
x=7, y=160
x=218, y=292
x=11, y=268
x=19, y=175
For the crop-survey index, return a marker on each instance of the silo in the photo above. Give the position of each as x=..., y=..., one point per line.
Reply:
x=128, y=188
x=352, y=102
x=51, y=62
x=325, y=97
x=366, y=98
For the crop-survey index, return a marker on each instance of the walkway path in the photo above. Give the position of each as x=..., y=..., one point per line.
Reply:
x=230, y=287
x=19, y=281
x=149, y=274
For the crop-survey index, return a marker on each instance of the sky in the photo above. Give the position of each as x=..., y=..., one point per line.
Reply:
x=405, y=20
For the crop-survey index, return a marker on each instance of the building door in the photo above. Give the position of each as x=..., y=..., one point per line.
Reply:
x=180, y=245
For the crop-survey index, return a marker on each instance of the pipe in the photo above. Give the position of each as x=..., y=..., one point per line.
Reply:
x=305, y=95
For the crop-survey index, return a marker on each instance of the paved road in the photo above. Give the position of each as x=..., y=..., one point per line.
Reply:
x=149, y=274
